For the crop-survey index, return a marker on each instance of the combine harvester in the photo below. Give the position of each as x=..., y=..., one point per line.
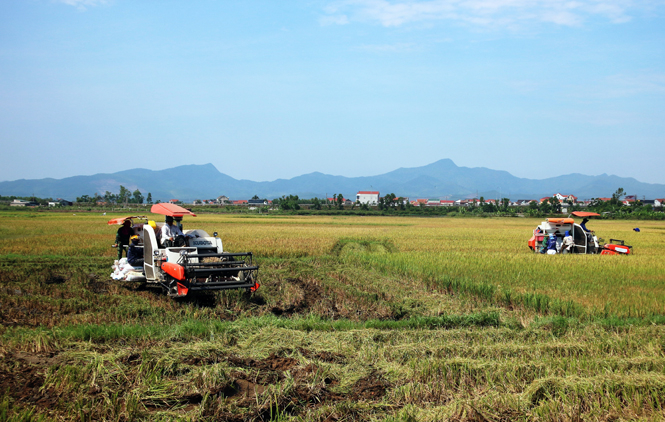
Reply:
x=585, y=241
x=199, y=264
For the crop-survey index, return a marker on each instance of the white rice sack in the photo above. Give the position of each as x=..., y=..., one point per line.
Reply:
x=134, y=276
x=126, y=266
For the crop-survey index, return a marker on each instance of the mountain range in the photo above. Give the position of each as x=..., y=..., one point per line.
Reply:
x=441, y=179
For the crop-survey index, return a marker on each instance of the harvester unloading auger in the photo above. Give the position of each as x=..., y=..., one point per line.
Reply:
x=198, y=264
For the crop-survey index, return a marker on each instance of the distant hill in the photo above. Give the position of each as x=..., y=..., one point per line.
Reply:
x=442, y=179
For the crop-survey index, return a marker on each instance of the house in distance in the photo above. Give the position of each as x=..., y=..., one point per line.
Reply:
x=368, y=197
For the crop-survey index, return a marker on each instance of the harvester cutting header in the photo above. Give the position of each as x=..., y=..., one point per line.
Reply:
x=183, y=261
x=563, y=235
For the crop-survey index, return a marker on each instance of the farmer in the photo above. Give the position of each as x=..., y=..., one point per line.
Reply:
x=122, y=236
x=551, y=245
x=543, y=248
x=171, y=234
x=135, y=252
x=567, y=245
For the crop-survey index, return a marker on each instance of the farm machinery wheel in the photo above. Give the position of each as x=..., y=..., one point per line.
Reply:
x=175, y=289
x=171, y=287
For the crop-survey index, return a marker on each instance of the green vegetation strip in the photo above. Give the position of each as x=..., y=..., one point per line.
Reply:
x=194, y=329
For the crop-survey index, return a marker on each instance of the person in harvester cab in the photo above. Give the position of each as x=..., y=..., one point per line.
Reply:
x=171, y=234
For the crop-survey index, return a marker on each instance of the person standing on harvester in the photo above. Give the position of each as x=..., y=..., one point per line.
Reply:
x=568, y=243
x=122, y=237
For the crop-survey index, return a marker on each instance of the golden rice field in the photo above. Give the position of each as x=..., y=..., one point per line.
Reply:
x=476, y=250
x=357, y=319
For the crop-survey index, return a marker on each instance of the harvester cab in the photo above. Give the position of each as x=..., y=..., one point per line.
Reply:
x=584, y=241
x=199, y=263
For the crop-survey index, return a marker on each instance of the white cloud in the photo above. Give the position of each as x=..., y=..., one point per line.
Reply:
x=334, y=20
x=391, y=13
x=620, y=86
x=83, y=4
x=388, y=48
x=525, y=86
x=628, y=85
x=606, y=117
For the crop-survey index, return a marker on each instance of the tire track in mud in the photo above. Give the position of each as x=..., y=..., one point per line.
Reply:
x=254, y=376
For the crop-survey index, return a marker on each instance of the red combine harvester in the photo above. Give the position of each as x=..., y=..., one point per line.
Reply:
x=584, y=240
x=197, y=263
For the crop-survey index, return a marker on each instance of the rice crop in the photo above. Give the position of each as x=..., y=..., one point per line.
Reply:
x=357, y=318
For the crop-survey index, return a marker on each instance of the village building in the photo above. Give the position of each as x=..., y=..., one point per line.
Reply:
x=523, y=202
x=23, y=203
x=368, y=197
x=60, y=203
x=334, y=201
x=565, y=198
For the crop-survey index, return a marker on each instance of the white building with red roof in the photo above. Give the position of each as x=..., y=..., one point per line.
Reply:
x=562, y=198
x=368, y=197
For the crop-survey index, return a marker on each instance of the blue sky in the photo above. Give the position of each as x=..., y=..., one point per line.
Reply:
x=267, y=90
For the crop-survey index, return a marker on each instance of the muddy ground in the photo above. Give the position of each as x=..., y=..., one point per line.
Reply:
x=22, y=378
x=46, y=302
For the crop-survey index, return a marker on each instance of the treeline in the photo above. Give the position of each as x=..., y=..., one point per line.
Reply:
x=389, y=202
x=122, y=197
x=615, y=208
x=392, y=205
x=292, y=202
